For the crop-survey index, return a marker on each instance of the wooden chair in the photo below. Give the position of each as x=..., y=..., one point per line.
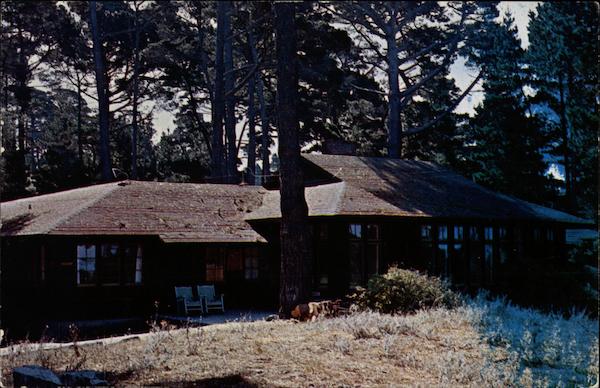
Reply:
x=211, y=300
x=185, y=296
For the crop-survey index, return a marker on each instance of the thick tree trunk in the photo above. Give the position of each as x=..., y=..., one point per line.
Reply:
x=296, y=258
x=229, y=99
x=218, y=105
x=393, y=119
x=103, y=101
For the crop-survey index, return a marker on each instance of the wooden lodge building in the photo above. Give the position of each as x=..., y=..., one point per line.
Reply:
x=118, y=249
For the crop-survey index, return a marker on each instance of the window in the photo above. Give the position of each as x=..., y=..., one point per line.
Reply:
x=537, y=234
x=426, y=233
x=86, y=264
x=443, y=233
x=474, y=233
x=502, y=234
x=251, y=267
x=475, y=261
x=504, y=247
x=355, y=231
x=234, y=261
x=323, y=232
x=459, y=257
x=108, y=264
x=356, y=263
x=488, y=254
x=214, y=269
x=138, y=265
x=489, y=262
x=372, y=251
x=488, y=233
x=550, y=234
x=251, y=263
x=442, y=266
x=373, y=232
x=458, y=233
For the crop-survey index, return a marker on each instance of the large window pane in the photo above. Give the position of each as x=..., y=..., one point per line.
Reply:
x=442, y=263
x=109, y=264
x=355, y=231
x=427, y=257
x=474, y=233
x=356, y=263
x=488, y=233
x=458, y=233
x=372, y=257
x=426, y=233
x=138, y=265
x=86, y=264
x=443, y=233
x=373, y=232
x=461, y=266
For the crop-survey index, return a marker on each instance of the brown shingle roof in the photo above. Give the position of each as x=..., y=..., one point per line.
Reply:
x=174, y=211
x=424, y=189
x=334, y=199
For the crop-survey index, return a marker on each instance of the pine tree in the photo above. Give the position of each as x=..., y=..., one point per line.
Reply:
x=563, y=57
x=503, y=141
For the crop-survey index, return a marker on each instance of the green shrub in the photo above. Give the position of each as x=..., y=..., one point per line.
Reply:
x=404, y=291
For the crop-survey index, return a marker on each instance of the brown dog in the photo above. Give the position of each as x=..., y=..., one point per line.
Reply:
x=312, y=310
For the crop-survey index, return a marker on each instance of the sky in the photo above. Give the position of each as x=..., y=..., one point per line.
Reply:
x=463, y=76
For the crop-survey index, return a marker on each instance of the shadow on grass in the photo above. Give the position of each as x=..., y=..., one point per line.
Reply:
x=236, y=381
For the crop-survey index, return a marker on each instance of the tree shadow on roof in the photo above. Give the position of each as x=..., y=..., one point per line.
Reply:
x=14, y=225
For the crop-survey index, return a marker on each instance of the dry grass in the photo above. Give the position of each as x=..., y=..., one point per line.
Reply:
x=438, y=347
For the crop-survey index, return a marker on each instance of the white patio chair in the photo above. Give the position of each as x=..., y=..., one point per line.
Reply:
x=211, y=300
x=186, y=297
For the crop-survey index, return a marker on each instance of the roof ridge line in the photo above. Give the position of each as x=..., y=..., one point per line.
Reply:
x=82, y=207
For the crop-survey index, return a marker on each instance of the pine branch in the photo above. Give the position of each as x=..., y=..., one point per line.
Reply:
x=430, y=124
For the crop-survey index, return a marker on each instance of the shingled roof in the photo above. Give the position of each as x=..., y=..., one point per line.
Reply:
x=176, y=212
x=423, y=189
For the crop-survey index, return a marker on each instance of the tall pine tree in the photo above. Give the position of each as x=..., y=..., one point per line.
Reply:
x=503, y=141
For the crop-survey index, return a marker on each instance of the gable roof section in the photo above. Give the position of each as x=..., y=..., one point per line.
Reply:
x=176, y=212
x=424, y=189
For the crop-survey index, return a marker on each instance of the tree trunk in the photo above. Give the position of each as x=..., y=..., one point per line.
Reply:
x=251, y=150
x=566, y=148
x=103, y=102
x=218, y=105
x=79, y=125
x=265, y=139
x=264, y=118
x=251, y=133
x=393, y=119
x=296, y=258
x=134, y=123
x=230, y=98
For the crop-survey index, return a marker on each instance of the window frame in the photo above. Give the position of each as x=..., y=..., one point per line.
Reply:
x=123, y=277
